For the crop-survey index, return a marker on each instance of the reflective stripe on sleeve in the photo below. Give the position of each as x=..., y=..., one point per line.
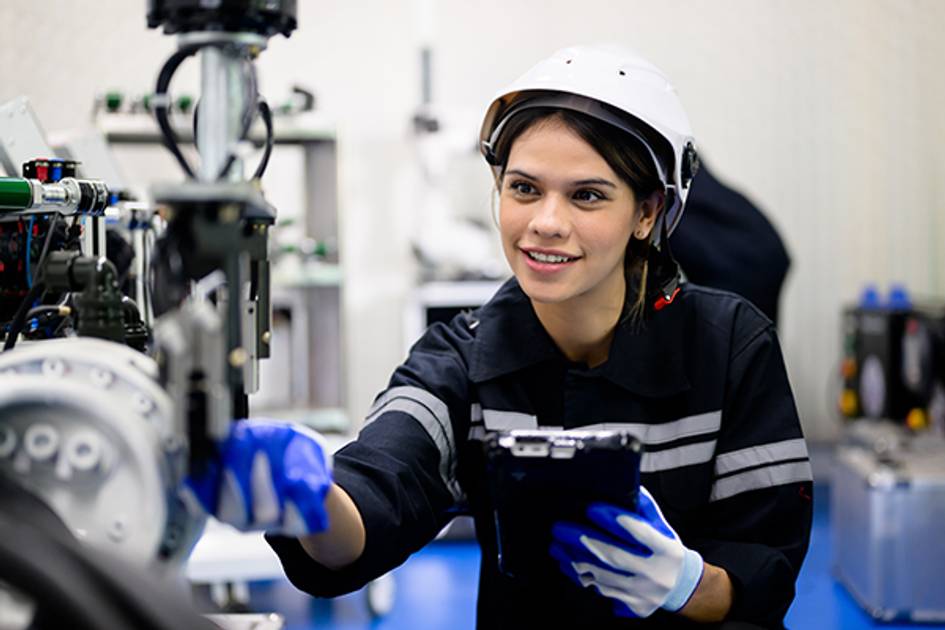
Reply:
x=678, y=457
x=700, y=424
x=434, y=416
x=762, y=454
x=508, y=420
x=758, y=478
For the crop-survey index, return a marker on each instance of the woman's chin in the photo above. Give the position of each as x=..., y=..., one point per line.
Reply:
x=543, y=293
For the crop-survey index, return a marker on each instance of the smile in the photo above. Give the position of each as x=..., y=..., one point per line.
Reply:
x=549, y=258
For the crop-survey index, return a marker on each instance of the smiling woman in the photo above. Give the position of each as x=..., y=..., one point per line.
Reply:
x=578, y=204
x=593, y=158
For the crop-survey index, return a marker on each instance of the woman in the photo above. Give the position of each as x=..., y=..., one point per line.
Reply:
x=593, y=157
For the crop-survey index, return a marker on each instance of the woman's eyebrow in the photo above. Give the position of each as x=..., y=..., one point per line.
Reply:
x=520, y=173
x=593, y=181
x=596, y=181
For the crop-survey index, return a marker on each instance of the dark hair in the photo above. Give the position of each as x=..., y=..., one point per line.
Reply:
x=628, y=158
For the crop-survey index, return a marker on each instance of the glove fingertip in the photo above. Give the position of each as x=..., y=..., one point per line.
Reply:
x=564, y=563
x=562, y=529
x=557, y=552
x=603, y=514
x=622, y=610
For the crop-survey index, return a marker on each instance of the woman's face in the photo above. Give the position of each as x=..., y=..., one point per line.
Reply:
x=566, y=218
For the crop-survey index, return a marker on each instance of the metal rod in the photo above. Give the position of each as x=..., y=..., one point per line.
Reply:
x=213, y=137
x=140, y=265
x=88, y=235
x=222, y=106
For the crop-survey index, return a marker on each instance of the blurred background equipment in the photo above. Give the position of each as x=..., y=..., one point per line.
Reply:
x=888, y=482
x=101, y=417
x=449, y=244
x=51, y=580
x=304, y=377
x=888, y=504
x=893, y=363
x=725, y=241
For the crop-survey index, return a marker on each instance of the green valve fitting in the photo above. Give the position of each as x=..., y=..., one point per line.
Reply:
x=113, y=100
x=15, y=193
x=184, y=103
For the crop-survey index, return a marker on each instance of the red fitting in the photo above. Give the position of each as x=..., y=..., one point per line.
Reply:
x=664, y=302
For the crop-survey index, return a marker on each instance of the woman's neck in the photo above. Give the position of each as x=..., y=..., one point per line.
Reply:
x=582, y=327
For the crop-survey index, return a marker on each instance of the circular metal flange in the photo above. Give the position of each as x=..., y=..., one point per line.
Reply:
x=92, y=443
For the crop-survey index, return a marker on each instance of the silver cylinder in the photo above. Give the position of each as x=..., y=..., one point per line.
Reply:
x=222, y=103
x=141, y=264
x=213, y=134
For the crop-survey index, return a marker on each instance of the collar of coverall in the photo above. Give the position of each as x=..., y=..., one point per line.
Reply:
x=648, y=360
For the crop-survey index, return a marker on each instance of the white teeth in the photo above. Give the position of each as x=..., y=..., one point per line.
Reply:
x=548, y=258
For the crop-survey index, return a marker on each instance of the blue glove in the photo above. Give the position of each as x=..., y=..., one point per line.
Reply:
x=270, y=475
x=634, y=558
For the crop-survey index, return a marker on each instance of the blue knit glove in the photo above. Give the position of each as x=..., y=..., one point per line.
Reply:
x=634, y=558
x=270, y=475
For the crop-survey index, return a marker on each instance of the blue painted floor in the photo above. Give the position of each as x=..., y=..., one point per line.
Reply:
x=436, y=589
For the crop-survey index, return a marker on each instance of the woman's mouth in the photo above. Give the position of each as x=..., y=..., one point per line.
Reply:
x=548, y=262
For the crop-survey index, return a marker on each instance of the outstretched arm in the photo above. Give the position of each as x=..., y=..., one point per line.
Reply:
x=343, y=542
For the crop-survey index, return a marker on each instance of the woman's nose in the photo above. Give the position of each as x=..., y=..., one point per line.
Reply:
x=550, y=219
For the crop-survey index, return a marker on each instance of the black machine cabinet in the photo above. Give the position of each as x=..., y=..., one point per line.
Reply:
x=923, y=363
x=894, y=365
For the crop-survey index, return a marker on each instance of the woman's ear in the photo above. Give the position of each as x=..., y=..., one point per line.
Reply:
x=647, y=214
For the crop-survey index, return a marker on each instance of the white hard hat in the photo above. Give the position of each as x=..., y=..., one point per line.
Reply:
x=597, y=80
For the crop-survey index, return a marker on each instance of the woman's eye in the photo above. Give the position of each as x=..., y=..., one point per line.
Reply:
x=588, y=195
x=523, y=188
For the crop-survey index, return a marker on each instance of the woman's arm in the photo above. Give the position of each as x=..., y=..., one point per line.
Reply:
x=712, y=599
x=395, y=485
x=757, y=523
x=343, y=542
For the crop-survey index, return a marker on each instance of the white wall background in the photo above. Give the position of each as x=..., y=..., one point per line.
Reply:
x=828, y=113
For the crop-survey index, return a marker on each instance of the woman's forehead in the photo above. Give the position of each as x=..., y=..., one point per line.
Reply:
x=550, y=149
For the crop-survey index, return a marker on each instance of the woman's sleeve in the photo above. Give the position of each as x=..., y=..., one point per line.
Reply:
x=758, y=519
x=401, y=470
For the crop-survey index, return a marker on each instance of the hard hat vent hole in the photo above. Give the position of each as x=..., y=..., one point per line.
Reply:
x=568, y=61
x=622, y=73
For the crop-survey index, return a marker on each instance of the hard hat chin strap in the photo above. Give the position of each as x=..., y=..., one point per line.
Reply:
x=670, y=214
x=666, y=274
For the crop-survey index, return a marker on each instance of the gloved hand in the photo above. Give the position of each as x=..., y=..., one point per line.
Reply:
x=634, y=558
x=270, y=475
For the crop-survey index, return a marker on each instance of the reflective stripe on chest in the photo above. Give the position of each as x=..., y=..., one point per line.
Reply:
x=699, y=431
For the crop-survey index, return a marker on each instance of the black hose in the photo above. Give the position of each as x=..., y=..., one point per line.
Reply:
x=248, y=116
x=65, y=320
x=44, y=309
x=43, y=569
x=77, y=587
x=161, y=104
x=19, y=319
x=53, y=224
x=266, y=115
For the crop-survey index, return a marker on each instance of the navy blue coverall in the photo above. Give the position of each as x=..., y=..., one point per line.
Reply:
x=702, y=384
